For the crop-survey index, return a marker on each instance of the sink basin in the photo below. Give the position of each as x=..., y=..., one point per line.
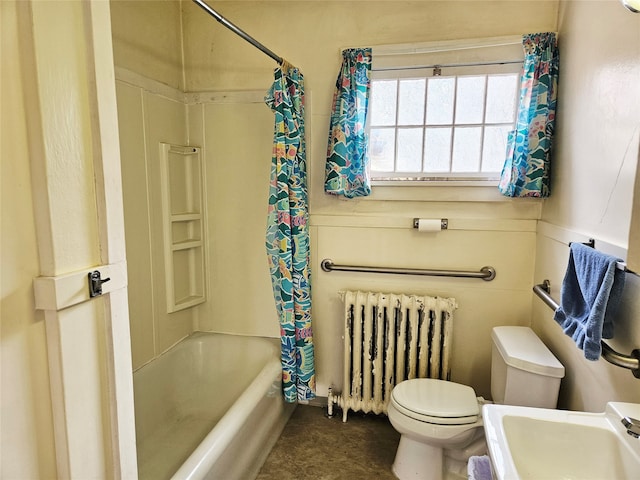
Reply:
x=536, y=443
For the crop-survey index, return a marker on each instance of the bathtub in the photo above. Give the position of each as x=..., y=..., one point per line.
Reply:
x=211, y=407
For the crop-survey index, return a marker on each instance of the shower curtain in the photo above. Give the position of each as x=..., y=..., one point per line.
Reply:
x=287, y=238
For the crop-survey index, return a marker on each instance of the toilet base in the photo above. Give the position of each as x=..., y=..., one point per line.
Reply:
x=417, y=461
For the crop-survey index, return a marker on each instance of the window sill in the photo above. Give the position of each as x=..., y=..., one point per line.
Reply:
x=468, y=191
x=435, y=183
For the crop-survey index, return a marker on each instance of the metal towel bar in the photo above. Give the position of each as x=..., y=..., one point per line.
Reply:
x=631, y=362
x=620, y=265
x=485, y=273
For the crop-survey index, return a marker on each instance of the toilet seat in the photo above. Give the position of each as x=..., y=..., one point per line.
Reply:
x=436, y=401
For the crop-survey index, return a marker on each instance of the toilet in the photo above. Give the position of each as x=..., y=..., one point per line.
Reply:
x=440, y=422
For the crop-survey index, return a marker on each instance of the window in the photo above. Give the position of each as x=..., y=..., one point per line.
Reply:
x=448, y=123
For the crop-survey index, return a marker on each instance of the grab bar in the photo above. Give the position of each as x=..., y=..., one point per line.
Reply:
x=631, y=362
x=485, y=273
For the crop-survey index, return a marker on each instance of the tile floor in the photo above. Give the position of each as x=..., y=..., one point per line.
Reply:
x=314, y=447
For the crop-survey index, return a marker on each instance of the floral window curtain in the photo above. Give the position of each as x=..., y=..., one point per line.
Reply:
x=526, y=169
x=346, y=171
x=287, y=238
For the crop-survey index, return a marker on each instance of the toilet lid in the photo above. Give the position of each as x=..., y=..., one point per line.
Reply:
x=436, y=401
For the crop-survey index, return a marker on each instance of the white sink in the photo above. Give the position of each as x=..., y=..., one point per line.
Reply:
x=537, y=444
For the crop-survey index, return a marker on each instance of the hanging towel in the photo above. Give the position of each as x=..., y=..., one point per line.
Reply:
x=479, y=468
x=590, y=295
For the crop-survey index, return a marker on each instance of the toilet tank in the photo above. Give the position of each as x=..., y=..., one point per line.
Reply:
x=523, y=370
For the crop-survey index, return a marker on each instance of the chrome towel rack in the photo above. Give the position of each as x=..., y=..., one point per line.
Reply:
x=631, y=362
x=485, y=273
x=620, y=265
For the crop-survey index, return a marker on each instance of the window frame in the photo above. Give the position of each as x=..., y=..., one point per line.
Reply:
x=459, y=59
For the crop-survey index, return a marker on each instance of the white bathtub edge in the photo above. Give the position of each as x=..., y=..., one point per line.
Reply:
x=204, y=457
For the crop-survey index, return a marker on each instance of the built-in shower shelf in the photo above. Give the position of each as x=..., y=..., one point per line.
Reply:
x=186, y=245
x=185, y=217
x=188, y=302
x=182, y=174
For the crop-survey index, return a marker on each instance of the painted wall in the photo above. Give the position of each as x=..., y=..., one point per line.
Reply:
x=27, y=423
x=596, y=154
x=147, y=39
x=59, y=383
x=236, y=130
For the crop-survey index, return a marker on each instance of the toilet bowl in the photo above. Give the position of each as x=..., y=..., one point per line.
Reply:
x=440, y=422
x=431, y=416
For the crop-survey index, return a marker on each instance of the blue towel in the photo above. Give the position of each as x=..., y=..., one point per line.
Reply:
x=479, y=468
x=590, y=295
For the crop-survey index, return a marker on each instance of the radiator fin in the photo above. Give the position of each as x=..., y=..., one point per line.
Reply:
x=389, y=338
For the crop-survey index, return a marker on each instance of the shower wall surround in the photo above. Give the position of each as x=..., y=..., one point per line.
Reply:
x=148, y=114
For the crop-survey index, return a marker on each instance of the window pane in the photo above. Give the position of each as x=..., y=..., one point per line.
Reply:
x=440, y=101
x=466, y=149
x=437, y=149
x=409, y=150
x=411, y=102
x=383, y=102
x=470, y=99
x=501, y=98
x=381, y=149
x=494, y=147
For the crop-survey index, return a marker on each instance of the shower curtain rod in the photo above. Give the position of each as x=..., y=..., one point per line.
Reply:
x=238, y=31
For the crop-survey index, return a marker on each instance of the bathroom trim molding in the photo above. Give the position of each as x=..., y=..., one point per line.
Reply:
x=242, y=96
x=63, y=291
x=469, y=224
x=149, y=85
x=566, y=236
x=155, y=87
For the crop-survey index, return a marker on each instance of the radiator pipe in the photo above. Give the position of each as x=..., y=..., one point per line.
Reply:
x=330, y=401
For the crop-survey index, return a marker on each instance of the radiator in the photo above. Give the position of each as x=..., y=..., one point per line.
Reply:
x=389, y=338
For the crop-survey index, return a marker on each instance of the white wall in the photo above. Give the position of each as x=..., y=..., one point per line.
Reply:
x=60, y=382
x=237, y=133
x=596, y=147
x=27, y=423
x=147, y=39
x=595, y=156
x=470, y=244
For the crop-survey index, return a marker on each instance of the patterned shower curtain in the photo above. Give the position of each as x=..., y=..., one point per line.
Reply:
x=527, y=166
x=288, y=234
x=346, y=171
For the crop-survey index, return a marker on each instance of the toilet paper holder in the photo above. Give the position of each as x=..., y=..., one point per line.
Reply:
x=444, y=223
